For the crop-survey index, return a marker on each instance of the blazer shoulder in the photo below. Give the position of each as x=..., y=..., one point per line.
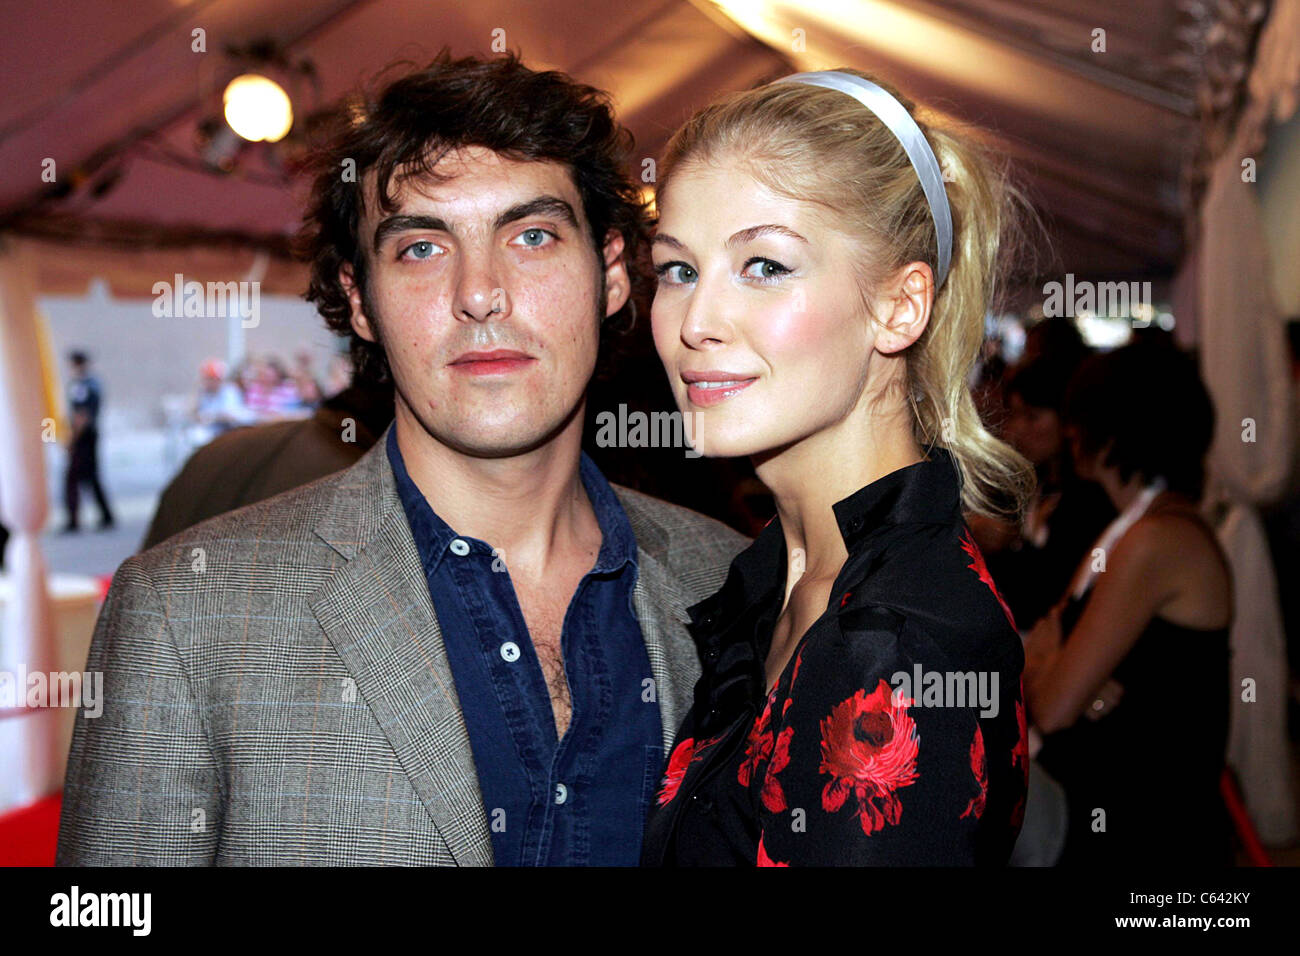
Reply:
x=678, y=527
x=290, y=516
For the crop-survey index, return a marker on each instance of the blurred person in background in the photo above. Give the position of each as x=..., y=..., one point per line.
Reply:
x=219, y=404
x=1282, y=524
x=84, y=400
x=1033, y=563
x=304, y=380
x=1127, y=680
x=244, y=465
x=285, y=398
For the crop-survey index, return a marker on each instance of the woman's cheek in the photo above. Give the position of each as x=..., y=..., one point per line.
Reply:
x=796, y=330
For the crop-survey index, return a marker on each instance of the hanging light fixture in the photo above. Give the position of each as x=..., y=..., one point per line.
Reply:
x=258, y=108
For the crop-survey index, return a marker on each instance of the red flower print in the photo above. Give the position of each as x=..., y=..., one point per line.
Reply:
x=764, y=746
x=979, y=567
x=760, y=743
x=979, y=767
x=772, y=794
x=763, y=858
x=869, y=746
x=677, y=764
x=686, y=752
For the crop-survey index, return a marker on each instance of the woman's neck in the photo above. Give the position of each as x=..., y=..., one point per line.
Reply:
x=807, y=479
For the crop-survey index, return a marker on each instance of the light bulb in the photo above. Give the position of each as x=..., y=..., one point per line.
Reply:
x=258, y=108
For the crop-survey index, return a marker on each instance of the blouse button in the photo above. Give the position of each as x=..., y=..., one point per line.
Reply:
x=459, y=547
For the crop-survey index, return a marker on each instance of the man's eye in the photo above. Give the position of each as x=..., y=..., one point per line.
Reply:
x=420, y=250
x=535, y=237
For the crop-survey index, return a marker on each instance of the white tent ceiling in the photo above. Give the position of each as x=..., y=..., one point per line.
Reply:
x=113, y=92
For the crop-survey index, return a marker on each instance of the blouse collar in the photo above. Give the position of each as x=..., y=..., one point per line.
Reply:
x=926, y=492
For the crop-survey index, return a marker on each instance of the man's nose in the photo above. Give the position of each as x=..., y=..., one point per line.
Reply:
x=479, y=294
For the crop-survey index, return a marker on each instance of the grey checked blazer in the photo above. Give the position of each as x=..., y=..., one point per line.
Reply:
x=276, y=689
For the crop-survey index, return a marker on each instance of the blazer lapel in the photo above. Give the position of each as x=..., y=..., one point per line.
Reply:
x=660, y=607
x=377, y=613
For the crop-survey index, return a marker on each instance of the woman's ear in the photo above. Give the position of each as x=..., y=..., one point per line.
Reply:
x=904, y=307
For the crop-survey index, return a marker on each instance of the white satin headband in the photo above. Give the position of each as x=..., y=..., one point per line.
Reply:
x=901, y=124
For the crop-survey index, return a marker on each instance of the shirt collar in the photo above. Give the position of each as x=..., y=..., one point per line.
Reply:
x=617, y=545
x=927, y=492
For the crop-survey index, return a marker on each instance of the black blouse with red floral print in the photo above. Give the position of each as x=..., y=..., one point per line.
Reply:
x=895, y=735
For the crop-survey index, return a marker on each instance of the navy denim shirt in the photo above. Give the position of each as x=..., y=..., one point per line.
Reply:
x=577, y=801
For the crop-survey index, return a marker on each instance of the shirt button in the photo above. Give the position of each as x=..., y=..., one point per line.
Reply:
x=510, y=652
x=561, y=794
x=459, y=547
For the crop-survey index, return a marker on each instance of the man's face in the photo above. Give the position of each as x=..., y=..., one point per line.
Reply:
x=486, y=293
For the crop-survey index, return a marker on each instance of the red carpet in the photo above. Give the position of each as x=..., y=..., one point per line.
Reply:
x=28, y=834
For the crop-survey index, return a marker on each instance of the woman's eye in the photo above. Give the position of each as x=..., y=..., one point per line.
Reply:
x=535, y=237
x=767, y=269
x=676, y=273
x=420, y=250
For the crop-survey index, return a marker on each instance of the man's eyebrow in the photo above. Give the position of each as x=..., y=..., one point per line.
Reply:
x=539, y=206
x=403, y=223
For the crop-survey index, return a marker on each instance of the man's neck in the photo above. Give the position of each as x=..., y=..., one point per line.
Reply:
x=531, y=506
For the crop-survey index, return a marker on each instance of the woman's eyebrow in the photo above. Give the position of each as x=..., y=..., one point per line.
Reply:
x=754, y=232
x=739, y=238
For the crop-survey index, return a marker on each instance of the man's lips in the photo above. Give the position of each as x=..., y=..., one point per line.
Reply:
x=496, y=362
x=713, y=386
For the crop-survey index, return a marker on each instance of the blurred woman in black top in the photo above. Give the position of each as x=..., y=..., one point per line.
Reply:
x=1140, y=645
x=861, y=699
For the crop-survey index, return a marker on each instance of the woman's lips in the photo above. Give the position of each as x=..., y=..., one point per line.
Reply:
x=711, y=392
x=498, y=362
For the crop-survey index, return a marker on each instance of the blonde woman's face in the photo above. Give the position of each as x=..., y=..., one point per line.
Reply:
x=757, y=316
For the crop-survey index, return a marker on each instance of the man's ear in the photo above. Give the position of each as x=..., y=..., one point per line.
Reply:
x=904, y=309
x=618, y=286
x=360, y=321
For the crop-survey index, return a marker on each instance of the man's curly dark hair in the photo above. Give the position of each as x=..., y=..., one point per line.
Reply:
x=404, y=131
